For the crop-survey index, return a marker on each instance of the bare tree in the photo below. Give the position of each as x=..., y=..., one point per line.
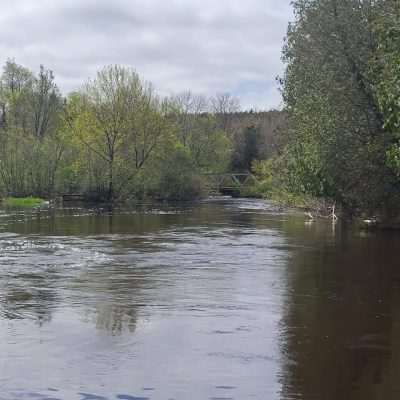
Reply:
x=188, y=108
x=224, y=105
x=46, y=103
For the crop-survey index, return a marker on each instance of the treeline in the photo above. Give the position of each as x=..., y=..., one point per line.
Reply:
x=117, y=139
x=341, y=91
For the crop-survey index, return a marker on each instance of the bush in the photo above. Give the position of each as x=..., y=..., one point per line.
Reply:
x=177, y=178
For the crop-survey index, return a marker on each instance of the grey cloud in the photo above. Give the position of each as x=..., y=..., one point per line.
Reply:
x=202, y=45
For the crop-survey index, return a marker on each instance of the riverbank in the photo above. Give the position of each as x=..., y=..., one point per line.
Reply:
x=314, y=207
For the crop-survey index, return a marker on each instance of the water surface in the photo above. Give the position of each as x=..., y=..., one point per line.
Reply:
x=226, y=299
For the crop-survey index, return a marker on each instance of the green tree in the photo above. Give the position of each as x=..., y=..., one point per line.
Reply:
x=337, y=141
x=121, y=123
x=387, y=69
x=30, y=145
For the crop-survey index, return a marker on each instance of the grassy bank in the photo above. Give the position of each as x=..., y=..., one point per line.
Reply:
x=318, y=207
x=25, y=202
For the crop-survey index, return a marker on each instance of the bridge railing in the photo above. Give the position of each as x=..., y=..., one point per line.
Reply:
x=229, y=181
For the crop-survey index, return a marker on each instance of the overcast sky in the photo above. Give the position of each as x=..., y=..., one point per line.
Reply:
x=206, y=46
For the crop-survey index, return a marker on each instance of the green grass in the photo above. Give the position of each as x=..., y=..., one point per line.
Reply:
x=23, y=202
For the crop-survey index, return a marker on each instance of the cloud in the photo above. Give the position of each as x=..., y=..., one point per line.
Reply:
x=202, y=45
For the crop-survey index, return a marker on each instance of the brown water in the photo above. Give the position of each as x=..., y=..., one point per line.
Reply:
x=226, y=299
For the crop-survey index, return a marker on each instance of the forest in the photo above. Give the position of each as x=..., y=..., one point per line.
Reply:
x=337, y=137
x=341, y=90
x=115, y=139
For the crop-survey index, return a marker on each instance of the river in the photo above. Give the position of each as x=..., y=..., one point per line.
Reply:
x=224, y=299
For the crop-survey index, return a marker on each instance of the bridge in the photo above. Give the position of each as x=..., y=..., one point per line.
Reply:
x=229, y=182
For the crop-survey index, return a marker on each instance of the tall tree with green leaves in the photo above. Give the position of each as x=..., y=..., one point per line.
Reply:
x=29, y=124
x=121, y=123
x=387, y=69
x=337, y=136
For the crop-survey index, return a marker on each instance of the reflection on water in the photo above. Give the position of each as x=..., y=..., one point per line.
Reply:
x=226, y=299
x=342, y=318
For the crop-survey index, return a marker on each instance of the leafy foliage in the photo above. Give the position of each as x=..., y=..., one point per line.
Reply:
x=341, y=90
x=112, y=140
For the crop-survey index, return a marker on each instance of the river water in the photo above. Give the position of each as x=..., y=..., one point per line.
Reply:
x=225, y=299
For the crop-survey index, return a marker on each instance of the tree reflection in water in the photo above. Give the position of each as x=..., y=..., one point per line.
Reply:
x=341, y=320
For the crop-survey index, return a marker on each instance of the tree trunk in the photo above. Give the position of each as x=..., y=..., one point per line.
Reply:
x=110, y=194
